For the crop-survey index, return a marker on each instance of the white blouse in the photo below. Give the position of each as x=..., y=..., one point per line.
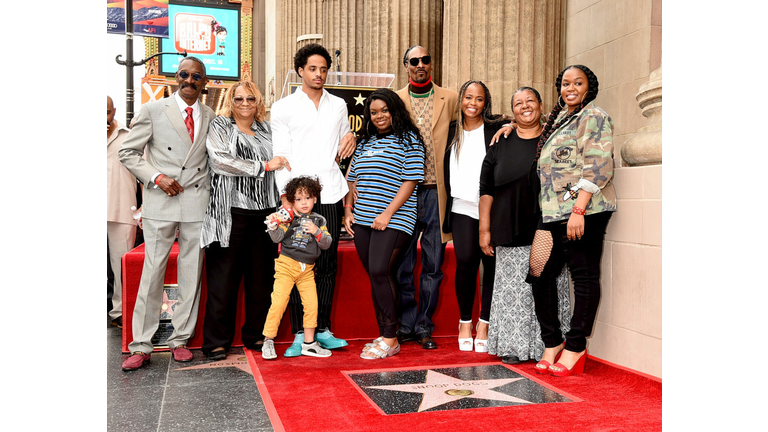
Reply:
x=465, y=173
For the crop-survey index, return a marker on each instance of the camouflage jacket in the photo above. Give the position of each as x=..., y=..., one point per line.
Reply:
x=578, y=155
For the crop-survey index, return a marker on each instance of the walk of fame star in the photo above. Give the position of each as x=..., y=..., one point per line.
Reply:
x=238, y=361
x=451, y=388
x=440, y=389
x=167, y=306
x=359, y=100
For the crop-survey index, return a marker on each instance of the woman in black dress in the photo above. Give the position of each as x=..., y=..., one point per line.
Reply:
x=509, y=214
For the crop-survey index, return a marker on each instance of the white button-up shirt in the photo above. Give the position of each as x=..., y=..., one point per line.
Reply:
x=309, y=138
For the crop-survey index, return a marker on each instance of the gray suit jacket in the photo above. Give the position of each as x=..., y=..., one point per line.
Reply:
x=160, y=131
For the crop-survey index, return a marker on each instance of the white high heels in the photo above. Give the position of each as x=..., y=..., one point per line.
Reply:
x=465, y=344
x=481, y=345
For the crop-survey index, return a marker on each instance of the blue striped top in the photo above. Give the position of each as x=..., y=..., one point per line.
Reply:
x=381, y=164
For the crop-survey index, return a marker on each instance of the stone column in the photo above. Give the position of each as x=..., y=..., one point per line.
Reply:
x=506, y=44
x=645, y=147
x=372, y=35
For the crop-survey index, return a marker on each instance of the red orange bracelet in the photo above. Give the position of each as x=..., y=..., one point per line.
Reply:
x=579, y=210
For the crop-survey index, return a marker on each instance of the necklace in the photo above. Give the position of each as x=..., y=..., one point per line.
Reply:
x=420, y=116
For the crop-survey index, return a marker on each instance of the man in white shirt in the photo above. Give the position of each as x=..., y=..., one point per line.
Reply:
x=310, y=128
x=172, y=133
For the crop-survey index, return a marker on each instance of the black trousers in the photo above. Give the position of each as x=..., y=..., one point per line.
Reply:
x=380, y=251
x=325, y=273
x=250, y=258
x=583, y=259
x=466, y=245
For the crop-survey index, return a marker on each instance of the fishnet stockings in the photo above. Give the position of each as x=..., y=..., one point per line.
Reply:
x=540, y=251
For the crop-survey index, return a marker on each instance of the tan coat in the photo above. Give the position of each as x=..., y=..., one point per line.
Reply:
x=446, y=110
x=121, y=184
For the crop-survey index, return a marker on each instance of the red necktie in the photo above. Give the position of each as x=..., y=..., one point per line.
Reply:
x=190, y=124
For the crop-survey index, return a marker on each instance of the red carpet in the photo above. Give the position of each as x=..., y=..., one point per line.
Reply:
x=313, y=394
x=351, y=298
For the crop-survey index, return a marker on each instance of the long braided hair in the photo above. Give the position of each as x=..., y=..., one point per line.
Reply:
x=550, y=127
x=458, y=137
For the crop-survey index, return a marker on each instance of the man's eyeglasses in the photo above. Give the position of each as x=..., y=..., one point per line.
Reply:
x=414, y=61
x=239, y=100
x=195, y=76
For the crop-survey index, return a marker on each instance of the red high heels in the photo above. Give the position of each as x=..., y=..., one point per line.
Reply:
x=542, y=367
x=564, y=371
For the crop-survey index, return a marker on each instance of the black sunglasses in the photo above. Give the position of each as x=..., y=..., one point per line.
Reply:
x=414, y=61
x=195, y=76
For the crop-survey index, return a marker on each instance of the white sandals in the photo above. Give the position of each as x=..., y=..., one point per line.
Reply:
x=481, y=345
x=465, y=344
x=379, y=349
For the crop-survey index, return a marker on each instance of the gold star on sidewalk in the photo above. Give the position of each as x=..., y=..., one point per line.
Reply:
x=239, y=361
x=167, y=306
x=440, y=389
x=359, y=100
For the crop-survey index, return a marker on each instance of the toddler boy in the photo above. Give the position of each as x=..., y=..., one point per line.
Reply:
x=301, y=240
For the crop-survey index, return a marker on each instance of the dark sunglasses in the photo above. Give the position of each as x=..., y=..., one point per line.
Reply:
x=414, y=61
x=239, y=100
x=195, y=76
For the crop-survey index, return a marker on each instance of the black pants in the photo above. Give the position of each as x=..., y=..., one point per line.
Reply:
x=466, y=244
x=325, y=273
x=583, y=259
x=379, y=251
x=249, y=257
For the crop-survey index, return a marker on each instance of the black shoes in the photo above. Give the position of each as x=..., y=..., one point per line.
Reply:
x=117, y=322
x=217, y=354
x=424, y=340
x=406, y=337
x=427, y=342
x=511, y=360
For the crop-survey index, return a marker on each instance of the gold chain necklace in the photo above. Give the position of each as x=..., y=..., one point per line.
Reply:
x=420, y=116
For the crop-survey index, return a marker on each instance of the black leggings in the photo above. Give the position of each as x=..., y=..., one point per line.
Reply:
x=466, y=245
x=379, y=252
x=583, y=260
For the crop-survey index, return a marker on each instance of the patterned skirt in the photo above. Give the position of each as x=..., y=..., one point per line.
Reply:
x=514, y=329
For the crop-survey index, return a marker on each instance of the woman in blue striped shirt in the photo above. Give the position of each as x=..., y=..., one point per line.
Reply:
x=387, y=165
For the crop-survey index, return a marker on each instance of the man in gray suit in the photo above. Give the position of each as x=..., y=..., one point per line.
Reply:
x=172, y=133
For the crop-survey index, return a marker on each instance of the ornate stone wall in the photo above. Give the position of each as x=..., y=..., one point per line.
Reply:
x=371, y=35
x=620, y=40
x=506, y=44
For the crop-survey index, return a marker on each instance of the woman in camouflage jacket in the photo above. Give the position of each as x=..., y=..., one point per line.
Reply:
x=575, y=167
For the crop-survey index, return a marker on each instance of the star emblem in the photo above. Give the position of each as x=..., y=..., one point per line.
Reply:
x=359, y=100
x=238, y=361
x=167, y=306
x=439, y=389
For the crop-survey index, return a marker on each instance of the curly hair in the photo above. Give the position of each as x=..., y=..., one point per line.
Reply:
x=486, y=115
x=593, y=87
x=307, y=51
x=401, y=119
x=308, y=184
x=229, y=100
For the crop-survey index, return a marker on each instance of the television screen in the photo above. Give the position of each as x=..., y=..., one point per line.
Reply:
x=210, y=34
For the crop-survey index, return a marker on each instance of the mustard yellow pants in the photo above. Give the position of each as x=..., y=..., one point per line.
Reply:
x=289, y=272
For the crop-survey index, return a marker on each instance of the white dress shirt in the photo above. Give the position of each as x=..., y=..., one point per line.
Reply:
x=309, y=138
x=195, y=111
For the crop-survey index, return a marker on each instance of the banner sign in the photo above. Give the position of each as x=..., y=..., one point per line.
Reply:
x=210, y=34
x=150, y=17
